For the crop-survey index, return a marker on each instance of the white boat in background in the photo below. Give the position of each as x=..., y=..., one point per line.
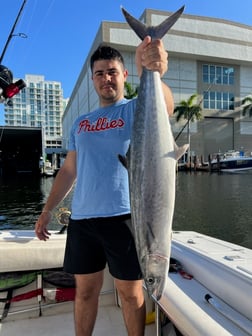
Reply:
x=46, y=168
x=231, y=161
x=49, y=172
x=208, y=292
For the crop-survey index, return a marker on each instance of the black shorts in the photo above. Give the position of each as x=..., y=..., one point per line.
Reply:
x=91, y=243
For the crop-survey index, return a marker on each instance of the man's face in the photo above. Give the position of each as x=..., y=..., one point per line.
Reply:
x=108, y=78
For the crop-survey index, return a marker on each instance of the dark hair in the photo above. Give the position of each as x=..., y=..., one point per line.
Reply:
x=105, y=52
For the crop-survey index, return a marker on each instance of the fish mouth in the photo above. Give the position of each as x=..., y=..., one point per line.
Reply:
x=155, y=278
x=155, y=286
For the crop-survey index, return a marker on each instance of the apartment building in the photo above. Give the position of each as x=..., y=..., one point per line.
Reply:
x=39, y=104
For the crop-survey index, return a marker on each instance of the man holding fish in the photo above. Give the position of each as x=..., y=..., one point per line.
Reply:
x=99, y=231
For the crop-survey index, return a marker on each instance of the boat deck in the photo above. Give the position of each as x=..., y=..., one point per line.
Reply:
x=109, y=322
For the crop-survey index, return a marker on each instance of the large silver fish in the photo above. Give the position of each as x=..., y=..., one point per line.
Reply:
x=151, y=163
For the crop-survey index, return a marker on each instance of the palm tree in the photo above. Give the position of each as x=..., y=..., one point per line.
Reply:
x=189, y=111
x=130, y=92
x=247, y=109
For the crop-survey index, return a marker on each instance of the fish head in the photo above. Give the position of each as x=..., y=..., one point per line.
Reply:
x=155, y=274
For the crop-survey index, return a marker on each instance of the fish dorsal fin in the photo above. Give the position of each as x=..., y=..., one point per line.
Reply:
x=180, y=151
x=156, y=32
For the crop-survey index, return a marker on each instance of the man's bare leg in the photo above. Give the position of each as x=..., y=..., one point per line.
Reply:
x=88, y=288
x=133, y=305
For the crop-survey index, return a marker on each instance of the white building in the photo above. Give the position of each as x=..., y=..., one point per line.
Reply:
x=207, y=56
x=39, y=104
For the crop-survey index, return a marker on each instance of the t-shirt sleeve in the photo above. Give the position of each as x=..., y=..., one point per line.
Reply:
x=71, y=143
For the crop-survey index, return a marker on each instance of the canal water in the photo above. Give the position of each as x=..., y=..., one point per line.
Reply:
x=215, y=204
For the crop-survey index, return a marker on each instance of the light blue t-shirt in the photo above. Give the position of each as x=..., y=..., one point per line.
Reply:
x=102, y=188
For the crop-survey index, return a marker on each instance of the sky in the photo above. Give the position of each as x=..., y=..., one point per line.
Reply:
x=60, y=33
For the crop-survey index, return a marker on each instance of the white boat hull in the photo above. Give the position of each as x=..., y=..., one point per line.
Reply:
x=224, y=268
x=20, y=250
x=221, y=270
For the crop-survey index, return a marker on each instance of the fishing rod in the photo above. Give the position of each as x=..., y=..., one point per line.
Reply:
x=192, y=112
x=8, y=89
x=182, y=129
x=12, y=32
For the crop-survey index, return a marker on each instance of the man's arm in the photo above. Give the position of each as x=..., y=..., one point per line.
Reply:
x=168, y=99
x=61, y=187
x=152, y=55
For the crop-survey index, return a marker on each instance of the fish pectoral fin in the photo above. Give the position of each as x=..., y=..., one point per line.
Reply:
x=123, y=160
x=180, y=151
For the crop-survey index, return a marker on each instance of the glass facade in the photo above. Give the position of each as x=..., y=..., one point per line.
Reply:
x=220, y=93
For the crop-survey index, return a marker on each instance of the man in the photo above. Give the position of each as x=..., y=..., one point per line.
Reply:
x=98, y=231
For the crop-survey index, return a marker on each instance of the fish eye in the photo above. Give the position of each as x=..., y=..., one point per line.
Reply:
x=150, y=281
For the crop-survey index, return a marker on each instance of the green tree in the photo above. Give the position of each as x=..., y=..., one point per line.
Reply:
x=130, y=92
x=188, y=110
x=247, y=109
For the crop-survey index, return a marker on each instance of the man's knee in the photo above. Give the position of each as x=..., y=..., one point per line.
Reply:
x=87, y=287
x=131, y=292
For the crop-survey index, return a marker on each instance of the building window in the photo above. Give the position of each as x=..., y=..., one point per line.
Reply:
x=216, y=74
x=218, y=83
x=215, y=100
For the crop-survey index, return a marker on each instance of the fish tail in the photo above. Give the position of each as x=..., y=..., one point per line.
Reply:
x=156, y=32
